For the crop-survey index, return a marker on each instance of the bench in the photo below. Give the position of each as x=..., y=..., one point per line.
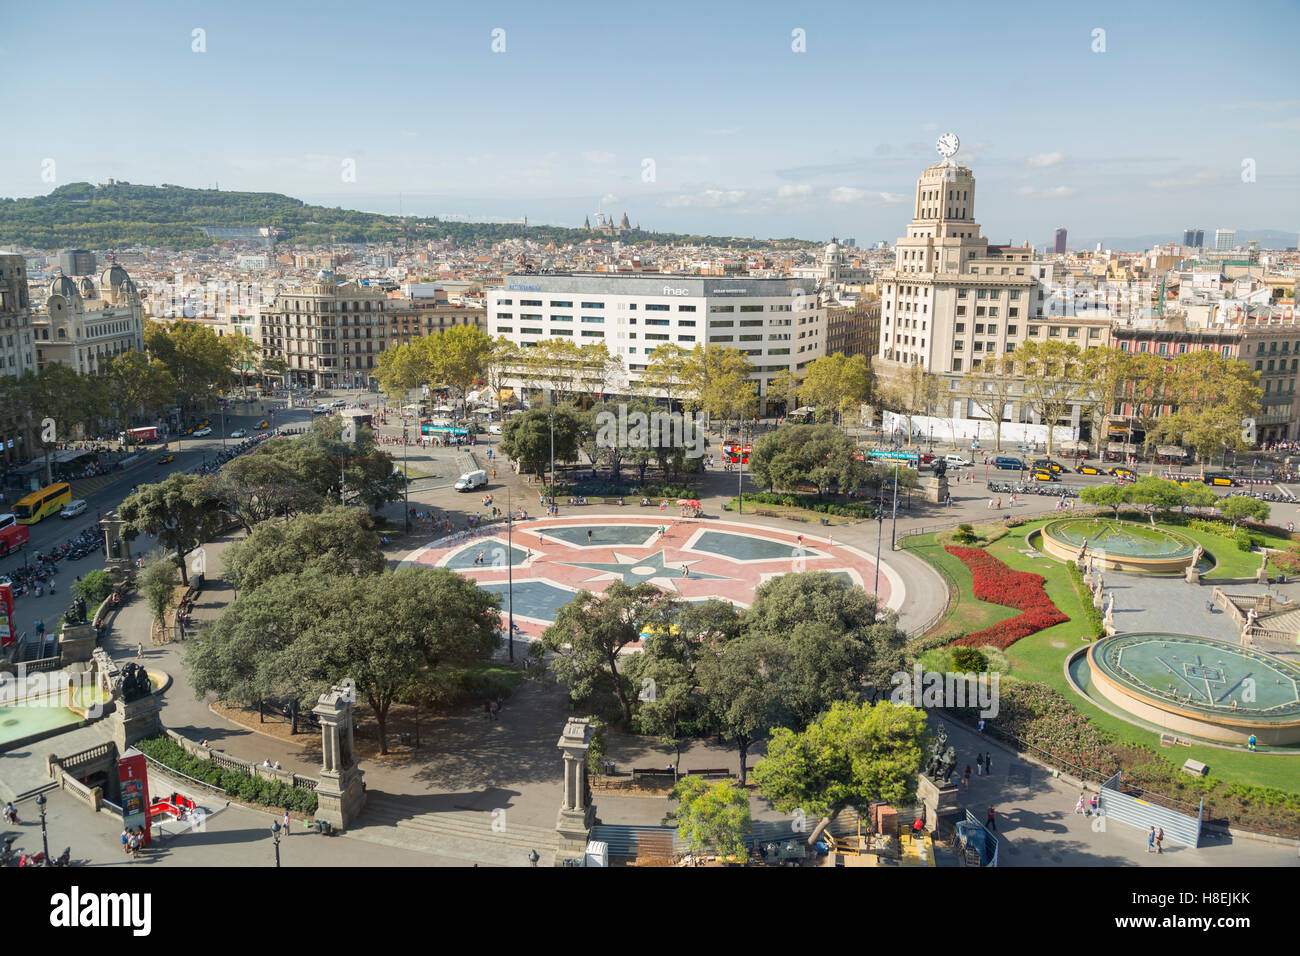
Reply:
x=708, y=773
x=639, y=772
x=1195, y=768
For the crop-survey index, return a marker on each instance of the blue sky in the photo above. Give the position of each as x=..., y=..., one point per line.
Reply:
x=746, y=136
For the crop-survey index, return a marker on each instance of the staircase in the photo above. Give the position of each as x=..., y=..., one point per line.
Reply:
x=460, y=834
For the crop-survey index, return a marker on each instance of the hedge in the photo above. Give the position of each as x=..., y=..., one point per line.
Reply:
x=1085, y=598
x=852, y=509
x=237, y=784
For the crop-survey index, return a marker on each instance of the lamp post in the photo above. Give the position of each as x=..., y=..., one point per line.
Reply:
x=275, y=836
x=45, y=840
x=551, y=416
x=406, y=485
x=894, y=526
x=880, y=530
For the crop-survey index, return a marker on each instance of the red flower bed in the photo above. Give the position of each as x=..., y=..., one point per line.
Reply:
x=998, y=584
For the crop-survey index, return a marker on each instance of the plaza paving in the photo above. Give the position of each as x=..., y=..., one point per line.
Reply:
x=436, y=806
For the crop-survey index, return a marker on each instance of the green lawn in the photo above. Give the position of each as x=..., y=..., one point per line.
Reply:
x=1033, y=658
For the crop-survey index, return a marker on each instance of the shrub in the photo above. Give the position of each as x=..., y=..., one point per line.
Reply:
x=236, y=783
x=1287, y=562
x=1090, y=611
x=968, y=660
x=95, y=587
x=848, y=509
x=965, y=534
x=1245, y=541
x=996, y=583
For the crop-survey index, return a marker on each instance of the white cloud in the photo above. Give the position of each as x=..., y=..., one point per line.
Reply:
x=599, y=156
x=1048, y=192
x=794, y=191
x=851, y=194
x=706, y=199
x=1043, y=160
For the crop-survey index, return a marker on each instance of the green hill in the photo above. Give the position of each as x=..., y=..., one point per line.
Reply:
x=173, y=217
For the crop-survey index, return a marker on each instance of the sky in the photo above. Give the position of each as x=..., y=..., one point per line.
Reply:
x=752, y=119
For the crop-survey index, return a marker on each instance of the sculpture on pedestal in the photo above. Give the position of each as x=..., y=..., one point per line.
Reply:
x=133, y=684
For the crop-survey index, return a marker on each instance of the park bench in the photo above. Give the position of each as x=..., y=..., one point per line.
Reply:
x=641, y=772
x=724, y=772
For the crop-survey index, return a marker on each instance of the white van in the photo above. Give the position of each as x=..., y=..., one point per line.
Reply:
x=73, y=508
x=955, y=461
x=471, y=480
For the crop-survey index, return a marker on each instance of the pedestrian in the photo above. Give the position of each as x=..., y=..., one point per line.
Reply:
x=965, y=778
x=1092, y=804
x=139, y=649
x=286, y=821
x=988, y=764
x=980, y=728
x=1082, y=805
x=979, y=765
x=1160, y=839
x=495, y=708
x=999, y=505
x=1151, y=840
x=126, y=841
x=992, y=820
x=588, y=536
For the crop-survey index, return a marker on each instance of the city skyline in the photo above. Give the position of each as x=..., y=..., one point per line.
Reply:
x=713, y=124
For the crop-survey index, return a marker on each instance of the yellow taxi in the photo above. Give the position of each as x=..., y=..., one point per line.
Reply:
x=1128, y=474
x=263, y=424
x=1090, y=470
x=166, y=459
x=1042, y=474
x=1222, y=481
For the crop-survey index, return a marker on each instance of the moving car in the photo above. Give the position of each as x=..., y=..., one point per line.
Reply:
x=1006, y=461
x=494, y=429
x=1055, y=467
x=956, y=461
x=263, y=424
x=1090, y=470
x=1043, y=474
x=203, y=432
x=1223, y=481
x=1128, y=474
x=238, y=433
x=471, y=480
x=73, y=508
x=321, y=410
x=166, y=459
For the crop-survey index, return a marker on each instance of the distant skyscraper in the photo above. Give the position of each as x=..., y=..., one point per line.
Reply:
x=1194, y=238
x=77, y=262
x=1224, y=240
x=1060, y=241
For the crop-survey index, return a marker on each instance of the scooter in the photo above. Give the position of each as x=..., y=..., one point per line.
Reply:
x=65, y=858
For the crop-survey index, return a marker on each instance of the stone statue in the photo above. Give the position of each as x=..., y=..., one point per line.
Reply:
x=939, y=468
x=1196, y=555
x=1251, y=617
x=134, y=683
x=1083, y=549
x=939, y=751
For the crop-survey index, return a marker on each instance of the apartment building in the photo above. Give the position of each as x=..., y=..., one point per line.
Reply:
x=854, y=329
x=16, y=353
x=777, y=323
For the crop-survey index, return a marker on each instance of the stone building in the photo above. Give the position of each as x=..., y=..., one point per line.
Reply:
x=84, y=326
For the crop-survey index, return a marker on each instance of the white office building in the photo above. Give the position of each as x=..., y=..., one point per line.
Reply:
x=1224, y=240
x=777, y=323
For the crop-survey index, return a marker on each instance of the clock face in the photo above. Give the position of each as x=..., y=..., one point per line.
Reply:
x=948, y=144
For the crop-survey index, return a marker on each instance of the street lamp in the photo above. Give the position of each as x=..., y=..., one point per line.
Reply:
x=406, y=485
x=880, y=530
x=275, y=835
x=510, y=577
x=45, y=841
x=551, y=416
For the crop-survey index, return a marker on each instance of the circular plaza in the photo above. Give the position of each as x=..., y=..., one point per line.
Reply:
x=546, y=561
x=1197, y=686
x=1119, y=545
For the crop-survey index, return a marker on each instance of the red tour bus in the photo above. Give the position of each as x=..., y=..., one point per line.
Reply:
x=12, y=534
x=136, y=435
x=737, y=453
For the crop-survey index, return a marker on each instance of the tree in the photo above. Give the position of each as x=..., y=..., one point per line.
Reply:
x=1107, y=496
x=197, y=358
x=1052, y=375
x=738, y=681
x=913, y=392
x=457, y=356
x=719, y=383
x=95, y=587
x=798, y=454
x=588, y=635
x=1198, y=496
x=157, y=582
x=56, y=392
x=265, y=483
x=1156, y=495
x=180, y=511
x=854, y=755
x=339, y=540
x=1239, y=508
x=1102, y=378
x=835, y=383
x=834, y=638
x=668, y=372
x=1210, y=394
x=712, y=817
x=297, y=635
x=1145, y=381
x=138, y=383
x=784, y=386
x=500, y=367
x=990, y=389
x=320, y=458
x=527, y=437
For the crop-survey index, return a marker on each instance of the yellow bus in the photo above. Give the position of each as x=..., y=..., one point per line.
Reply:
x=43, y=503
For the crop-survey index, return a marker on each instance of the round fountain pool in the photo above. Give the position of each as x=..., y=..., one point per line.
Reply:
x=1119, y=545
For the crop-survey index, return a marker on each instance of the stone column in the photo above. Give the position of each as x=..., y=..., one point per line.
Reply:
x=135, y=720
x=577, y=815
x=340, y=794
x=117, y=550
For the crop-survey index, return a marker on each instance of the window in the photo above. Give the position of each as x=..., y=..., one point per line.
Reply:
x=685, y=338
x=593, y=334
x=561, y=318
x=656, y=321
x=530, y=318
x=751, y=338
x=597, y=319
x=959, y=346
x=993, y=330
x=1013, y=312
x=530, y=301
x=1270, y=365
x=593, y=305
x=961, y=293
x=1259, y=365
x=751, y=308
x=528, y=331
x=959, y=328
x=652, y=307
x=686, y=323
x=686, y=308
x=721, y=325
x=751, y=323
x=720, y=338
x=981, y=293
x=956, y=365
x=993, y=311
x=980, y=310
x=561, y=331
x=979, y=328
x=722, y=308
x=561, y=305
x=1073, y=333
x=961, y=310
x=653, y=336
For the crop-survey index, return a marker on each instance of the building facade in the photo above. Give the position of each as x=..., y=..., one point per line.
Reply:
x=776, y=323
x=855, y=329
x=1224, y=240
x=77, y=262
x=17, y=354
x=1060, y=246
x=84, y=326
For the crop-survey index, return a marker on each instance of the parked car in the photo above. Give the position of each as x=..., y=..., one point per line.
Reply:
x=238, y=433
x=955, y=461
x=494, y=429
x=1055, y=467
x=1008, y=462
x=1086, y=469
x=1043, y=474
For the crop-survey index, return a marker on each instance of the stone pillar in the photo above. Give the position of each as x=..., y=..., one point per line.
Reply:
x=936, y=489
x=340, y=795
x=939, y=800
x=117, y=550
x=135, y=720
x=577, y=815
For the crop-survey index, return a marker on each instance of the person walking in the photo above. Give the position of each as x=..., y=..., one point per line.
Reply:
x=965, y=778
x=139, y=650
x=1093, y=804
x=1151, y=840
x=588, y=536
x=1160, y=840
x=126, y=841
x=979, y=764
x=1082, y=805
x=992, y=819
x=285, y=824
x=988, y=764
